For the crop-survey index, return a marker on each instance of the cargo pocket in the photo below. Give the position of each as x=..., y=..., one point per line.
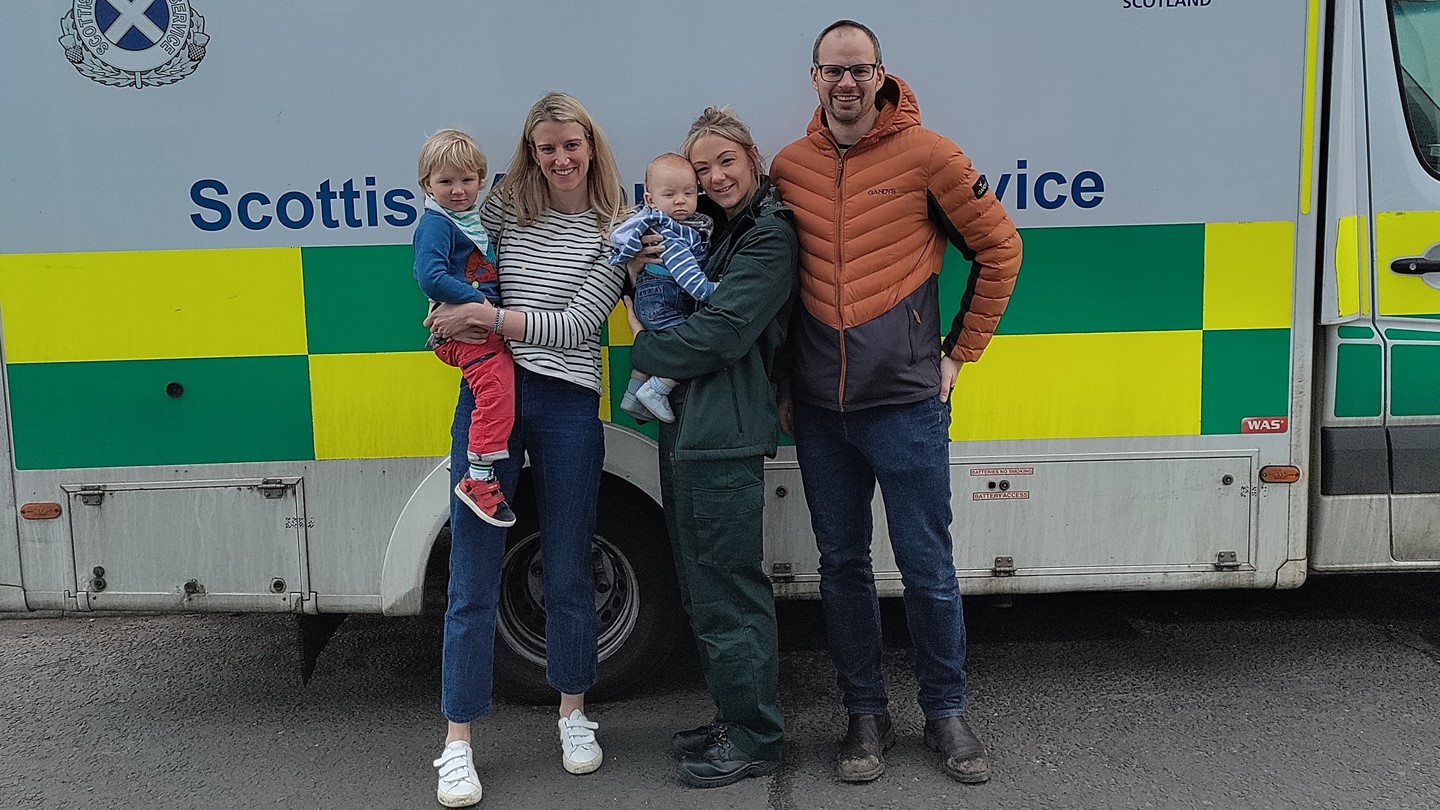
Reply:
x=727, y=526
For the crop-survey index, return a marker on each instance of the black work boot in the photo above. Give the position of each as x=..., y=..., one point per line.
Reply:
x=965, y=759
x=721, y=763
x=862, y=753
x=691, y=740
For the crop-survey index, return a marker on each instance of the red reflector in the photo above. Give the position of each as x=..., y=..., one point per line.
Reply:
x=40, y=511
x=1280, y=474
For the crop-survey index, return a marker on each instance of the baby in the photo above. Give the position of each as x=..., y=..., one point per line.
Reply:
x=665, y=294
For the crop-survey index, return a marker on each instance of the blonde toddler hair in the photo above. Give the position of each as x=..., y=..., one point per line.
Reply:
x=451, y=147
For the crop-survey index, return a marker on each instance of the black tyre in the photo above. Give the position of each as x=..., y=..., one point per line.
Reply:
x=637, y=600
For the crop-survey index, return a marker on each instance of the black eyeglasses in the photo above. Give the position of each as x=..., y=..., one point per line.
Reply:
x=861, y=72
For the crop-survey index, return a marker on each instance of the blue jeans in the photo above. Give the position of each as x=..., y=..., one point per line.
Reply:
x=660, y=303
x=558, y=425
x=906, y=449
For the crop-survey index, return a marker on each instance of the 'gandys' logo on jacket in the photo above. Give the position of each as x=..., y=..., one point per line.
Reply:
x=133, y=43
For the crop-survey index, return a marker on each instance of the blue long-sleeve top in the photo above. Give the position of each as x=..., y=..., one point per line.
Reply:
x=449, y=267
x=685, y=248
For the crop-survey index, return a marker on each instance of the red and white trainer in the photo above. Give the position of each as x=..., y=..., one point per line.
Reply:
x=485, y=499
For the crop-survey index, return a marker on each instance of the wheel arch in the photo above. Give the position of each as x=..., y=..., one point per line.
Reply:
x=629, y=456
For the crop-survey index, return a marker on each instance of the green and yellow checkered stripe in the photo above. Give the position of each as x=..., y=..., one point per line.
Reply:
x=1360, y=364
x=315, y=353
x=1156, y=330
x=1147, y=330
x=282, y=354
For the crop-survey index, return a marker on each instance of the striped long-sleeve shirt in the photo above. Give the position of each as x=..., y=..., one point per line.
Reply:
x=554, y=270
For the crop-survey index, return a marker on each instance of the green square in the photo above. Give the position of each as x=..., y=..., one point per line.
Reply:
x=1246, y=374
x=363, y=300
x=1358, y=380
x=128, y=413
x=1355, y=332
x=1415, y=380
x=1097, y=279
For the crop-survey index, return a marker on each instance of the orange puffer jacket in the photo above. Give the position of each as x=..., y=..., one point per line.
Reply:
x=873, y=227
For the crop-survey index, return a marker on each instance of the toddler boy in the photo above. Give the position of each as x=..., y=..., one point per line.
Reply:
x=455, y=264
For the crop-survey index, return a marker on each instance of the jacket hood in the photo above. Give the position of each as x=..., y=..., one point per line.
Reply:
x=899, y=110
x=767, y=199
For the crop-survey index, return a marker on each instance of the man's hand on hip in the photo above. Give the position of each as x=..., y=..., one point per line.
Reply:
x=949, y=370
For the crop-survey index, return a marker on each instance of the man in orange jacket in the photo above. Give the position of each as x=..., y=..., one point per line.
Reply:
x=877, y=197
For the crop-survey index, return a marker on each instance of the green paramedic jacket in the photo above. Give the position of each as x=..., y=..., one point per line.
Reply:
x=723, y=354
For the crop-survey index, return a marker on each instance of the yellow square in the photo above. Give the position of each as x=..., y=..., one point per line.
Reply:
x=1352, y=267
x=619, y=327
x=71, y=307
x=1401, y=235
x=1249, y=275
x=393, y=405
x=605, y=383
x=1081, y=386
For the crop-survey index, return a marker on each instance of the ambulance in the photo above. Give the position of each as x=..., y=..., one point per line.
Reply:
x=1220, y=367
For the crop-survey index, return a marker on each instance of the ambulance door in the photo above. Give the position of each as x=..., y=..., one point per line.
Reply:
x=1402, y=83
x=1351, y=508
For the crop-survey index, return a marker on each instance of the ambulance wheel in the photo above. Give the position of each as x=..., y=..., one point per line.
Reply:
x=637, y=601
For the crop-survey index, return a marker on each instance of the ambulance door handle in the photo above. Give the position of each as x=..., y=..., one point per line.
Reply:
x=1415, y=266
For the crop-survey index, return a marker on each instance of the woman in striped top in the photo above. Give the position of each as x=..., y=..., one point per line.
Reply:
x=549, y=218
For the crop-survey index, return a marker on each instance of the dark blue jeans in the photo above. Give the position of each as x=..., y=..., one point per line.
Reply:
x=905, y=448
x=557, y=424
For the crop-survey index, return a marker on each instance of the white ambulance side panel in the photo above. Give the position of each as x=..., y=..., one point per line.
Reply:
x=293, y=101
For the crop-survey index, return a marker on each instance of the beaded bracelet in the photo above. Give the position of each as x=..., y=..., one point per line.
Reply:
x=499, y=321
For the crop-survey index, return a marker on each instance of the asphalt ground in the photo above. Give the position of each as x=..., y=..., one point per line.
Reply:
x=1323, y=697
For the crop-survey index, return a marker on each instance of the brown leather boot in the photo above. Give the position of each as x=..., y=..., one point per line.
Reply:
x=862, y=752
x=965, y=759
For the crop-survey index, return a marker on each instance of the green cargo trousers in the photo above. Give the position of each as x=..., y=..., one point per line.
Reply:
x=714, y=510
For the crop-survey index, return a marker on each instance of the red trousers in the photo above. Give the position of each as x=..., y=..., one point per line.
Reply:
x=489, y=370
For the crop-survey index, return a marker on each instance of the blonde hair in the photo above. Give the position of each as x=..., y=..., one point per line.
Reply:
x=723, y=121
x=524, y=186
x=674, y=159
x=451, y=147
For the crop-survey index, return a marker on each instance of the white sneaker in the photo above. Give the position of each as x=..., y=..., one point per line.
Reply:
x=459, y=783
x=580, y=753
